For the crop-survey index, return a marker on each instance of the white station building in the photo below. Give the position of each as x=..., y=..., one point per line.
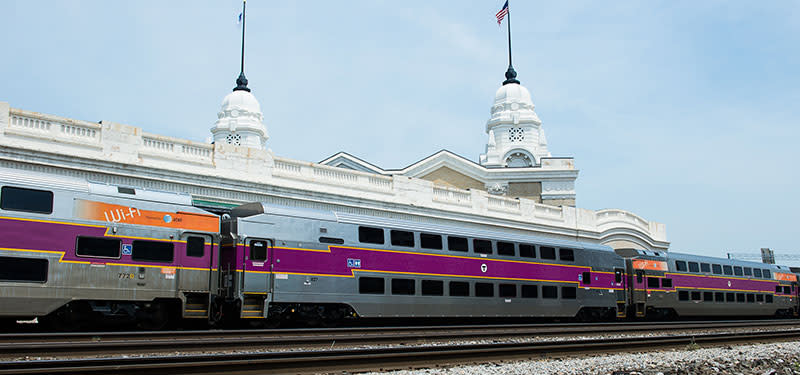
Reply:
x=516, y=185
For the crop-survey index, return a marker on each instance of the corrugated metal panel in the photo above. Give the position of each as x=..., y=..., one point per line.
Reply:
x=141, y=194
x=42, y=180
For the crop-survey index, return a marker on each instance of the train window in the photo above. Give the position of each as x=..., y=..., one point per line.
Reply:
x=258, y=251
x=482, y=246
x=787, y=290
x=759, y=298
x=617, y=275
x=778, y=288
x=370, y=285
x=730, y=297
x=457, y=243
x=27, y=200
x=549, y=291
x=546, y=252
x=403, y=286
x=694, y=267
x=508, y=290
x=566, y=255
x=708, y=297
x=505, y=248
x=568, y=292
x=195, y=246
x=333, y=240
x=432, y=288
x=370, y=235
x=484, y=290
x=97, y=247
x=639, y=276
x=680, y=265
x=737, y=270
x=705, y=267
x=739, y=297
x=402, y=238
x=748, y=271
x=530, y=291
x=652, y=282
x=768, y=298
x=459, y=288
x=728, y=270
x=527, y=251
x=751, y=298
x=155, y=251
x=756, y=272
x=23, y=269
x=586, y=277
x=767, y=274
x=666, y=283
x=430, y=241
x=716, y=269
x=683, y=295
x=695, y=296
x=719, y=297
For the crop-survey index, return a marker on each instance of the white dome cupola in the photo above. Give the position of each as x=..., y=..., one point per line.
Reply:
x=239, y=120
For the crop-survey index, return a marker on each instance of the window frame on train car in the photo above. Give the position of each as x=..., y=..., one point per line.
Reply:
x=768, y=298
x=740, y=298
x=566, y=254
x=432, y=287
x=458, y=286
x=767, y=273
x=618, y=272
x=529, y=291
x=191, y=248
x=759, y=297
x=547, y=255
x=719, y=297
x=404, y=238
x=569, y=292
x=748, y=271
x=652, y=282
x=757, y=273
x=454, y=243
x=22, y=199
x=716, y=269
x=524, y=253
x=256, y=254
x=751, y=298
x=371, y=285
x=24, y=270
x=482, y=246
x=680, y=266
x=506, y=248
x=683, y=295
x=737, y=271
x=778, y=289
x=549, y=292
x=586, y=277
x=505, y=290
x=708, y=296
x=370, y=235
x=151, y=249
x=727, y=270
x=666, y=282
x=787, y=289
x=332, y=240
x=730, y=297
x=705, y=267
x=484, y=289
x=100, y=239
x=694, y=267
x=429, y=241
x=404, y=287
x=696, y=295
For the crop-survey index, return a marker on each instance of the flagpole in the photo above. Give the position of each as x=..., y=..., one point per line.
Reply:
x=241, y=82
x=511, y=74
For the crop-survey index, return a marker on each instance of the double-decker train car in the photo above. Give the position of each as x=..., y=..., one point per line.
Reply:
x=73, y=251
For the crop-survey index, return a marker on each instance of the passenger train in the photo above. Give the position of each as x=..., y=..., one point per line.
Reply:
x=75, y=252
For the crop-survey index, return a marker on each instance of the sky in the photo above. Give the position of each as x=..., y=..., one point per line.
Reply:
x=682, y=112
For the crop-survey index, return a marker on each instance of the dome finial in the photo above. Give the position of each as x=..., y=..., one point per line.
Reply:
x=241, y=82
x=511, y=76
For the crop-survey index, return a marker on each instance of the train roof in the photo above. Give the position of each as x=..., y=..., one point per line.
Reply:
x=726, y=261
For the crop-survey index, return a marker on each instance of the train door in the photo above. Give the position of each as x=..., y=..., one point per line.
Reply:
x=621, y=291
x=795, y=294
x=194, y=278
x=257, y=277
x=639, y=293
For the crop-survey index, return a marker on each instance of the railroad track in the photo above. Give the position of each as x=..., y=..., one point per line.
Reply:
x=116, y=343
x=354, y=360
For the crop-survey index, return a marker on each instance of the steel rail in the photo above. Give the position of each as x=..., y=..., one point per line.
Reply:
x=371, y=359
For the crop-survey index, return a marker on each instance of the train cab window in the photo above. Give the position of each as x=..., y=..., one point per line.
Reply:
x=652, y=282
x=739, y=297
x=617, y=275
x=23, y=269
x=728, y=270
x=705, y=267
x=757, y=272
x=457, y=243
x=505, y=248
x=716, y=269
x=683, y=295
x=787, y=290
x=549, y=292
x=482, y=246
x=748, y=271
x=508, y=290
x=759, y=298
x=751, y=298
x=402, y=238
x=639, y=277
x=26, y=200
x=459, y=288
x=767, y=274
x=694, y=267
x=568, y=292
x=708, y=297
x=484, y=290
x=370, y=285
x=567, y=255
x=258, y=251
x=730, y=297
x=432, y=288
x=403, y=286
x=370, y=235
x=719, y=297
x=97, y=247
x=530, y=291
x=666, y=283
x=547, y=252
x=527, y=251
x=778, y=289
x=695, y=296
x=153, y=251
x=195, y=246
x=737, y=270
x=586, y=277
x=680, y=266
x=768, y=298
x=430, y=241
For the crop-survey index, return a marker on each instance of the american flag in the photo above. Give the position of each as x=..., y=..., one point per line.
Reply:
x=502, y=13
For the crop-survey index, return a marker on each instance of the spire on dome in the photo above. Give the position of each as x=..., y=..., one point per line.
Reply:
x=241, y=82
x=511, y=74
